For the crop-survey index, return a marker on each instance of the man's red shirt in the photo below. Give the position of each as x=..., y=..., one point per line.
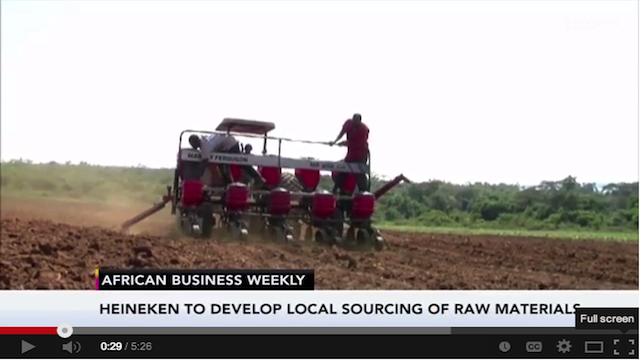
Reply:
x=357, y=140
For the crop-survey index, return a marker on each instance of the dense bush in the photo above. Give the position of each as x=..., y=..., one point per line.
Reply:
x=564, y=204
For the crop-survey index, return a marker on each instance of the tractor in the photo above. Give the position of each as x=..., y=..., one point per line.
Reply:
x=205, y=202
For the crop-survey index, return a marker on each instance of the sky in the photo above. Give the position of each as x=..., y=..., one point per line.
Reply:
x=462, y=91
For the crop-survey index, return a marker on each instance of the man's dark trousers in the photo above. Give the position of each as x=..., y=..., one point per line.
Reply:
x=361, y=178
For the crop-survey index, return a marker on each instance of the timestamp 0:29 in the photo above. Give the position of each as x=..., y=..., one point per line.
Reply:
x=114, y=346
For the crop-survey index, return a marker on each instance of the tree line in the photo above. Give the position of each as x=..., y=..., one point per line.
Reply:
x=563, y=204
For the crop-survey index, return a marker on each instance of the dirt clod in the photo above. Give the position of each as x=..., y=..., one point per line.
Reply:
x=52, y=245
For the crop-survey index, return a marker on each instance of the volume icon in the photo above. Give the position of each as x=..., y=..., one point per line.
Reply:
x=72, y=347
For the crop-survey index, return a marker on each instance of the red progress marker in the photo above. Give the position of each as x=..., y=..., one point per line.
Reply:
x=28, y=331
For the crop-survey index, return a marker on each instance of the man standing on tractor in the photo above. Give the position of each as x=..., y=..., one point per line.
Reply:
x=224, y=143
x=357, y=149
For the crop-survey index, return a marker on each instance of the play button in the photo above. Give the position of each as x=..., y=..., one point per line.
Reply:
x=26, y=347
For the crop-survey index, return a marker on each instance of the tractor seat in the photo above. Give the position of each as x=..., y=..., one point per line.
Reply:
x=272, y=176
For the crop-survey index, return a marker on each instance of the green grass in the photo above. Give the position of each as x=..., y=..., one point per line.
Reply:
x=85, y=182
x=552, y=234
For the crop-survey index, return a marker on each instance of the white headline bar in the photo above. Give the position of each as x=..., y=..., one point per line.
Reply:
x=302, y=308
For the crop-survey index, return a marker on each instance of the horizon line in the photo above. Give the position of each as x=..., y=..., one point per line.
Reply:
x=598, y=184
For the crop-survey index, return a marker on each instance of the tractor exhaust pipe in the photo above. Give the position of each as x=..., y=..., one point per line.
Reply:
x=390, y=185
x=145, y=214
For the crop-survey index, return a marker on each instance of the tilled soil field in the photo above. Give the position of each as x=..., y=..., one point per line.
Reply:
x=48, y=244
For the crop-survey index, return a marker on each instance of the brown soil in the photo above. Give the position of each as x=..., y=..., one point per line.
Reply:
x=48, y=244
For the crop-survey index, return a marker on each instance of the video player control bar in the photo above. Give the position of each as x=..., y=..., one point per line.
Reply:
x=320, y=346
